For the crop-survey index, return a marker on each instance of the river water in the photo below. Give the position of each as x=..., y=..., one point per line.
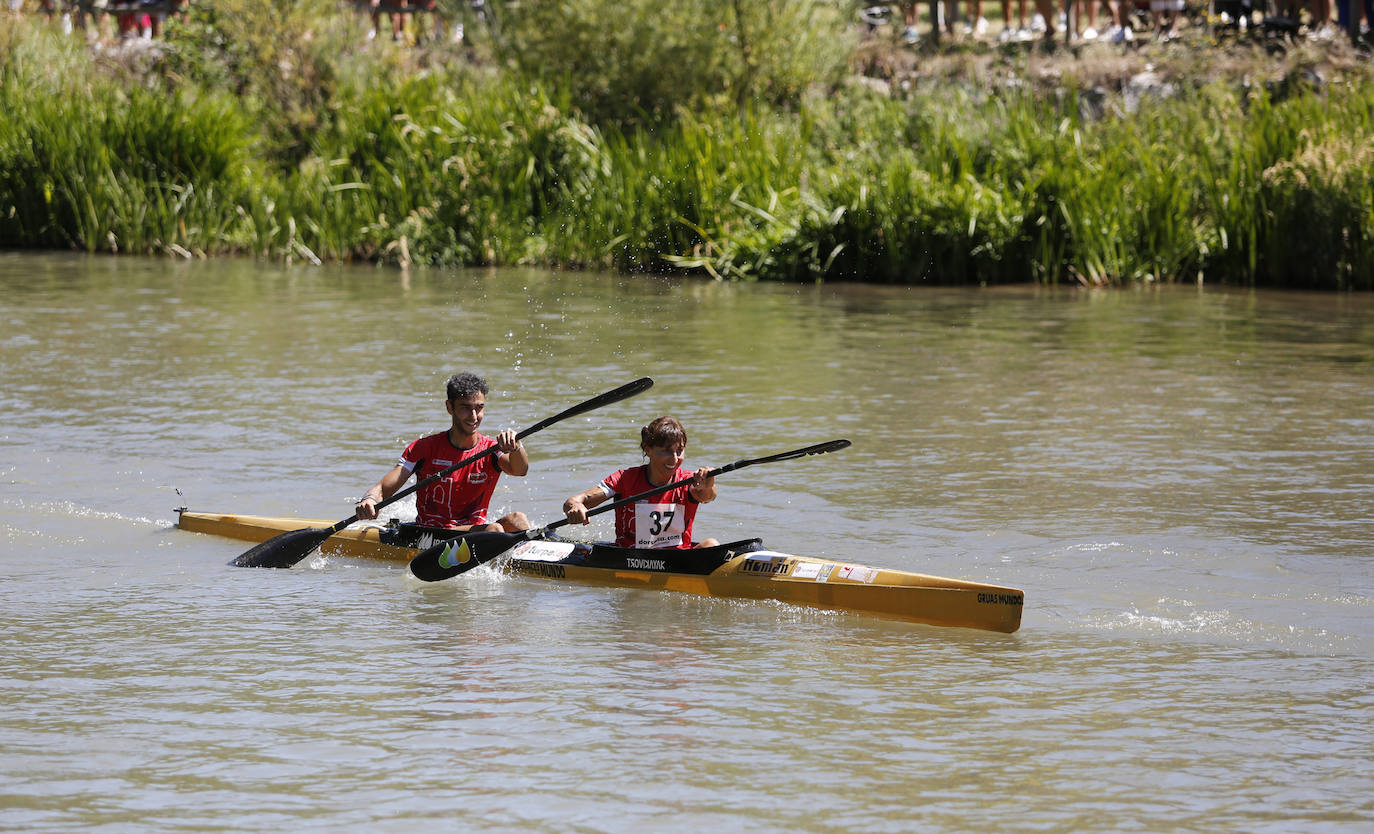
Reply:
x=1180, y=479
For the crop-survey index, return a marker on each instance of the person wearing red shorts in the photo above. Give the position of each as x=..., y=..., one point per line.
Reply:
x=461, y=500
x=661, y=521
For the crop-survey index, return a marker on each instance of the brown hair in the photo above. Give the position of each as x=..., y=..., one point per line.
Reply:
x=665, y=431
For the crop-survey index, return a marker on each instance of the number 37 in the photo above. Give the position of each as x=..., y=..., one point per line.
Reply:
x=660, y=521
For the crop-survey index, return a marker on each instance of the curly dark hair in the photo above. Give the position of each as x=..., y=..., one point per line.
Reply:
x=465, y=385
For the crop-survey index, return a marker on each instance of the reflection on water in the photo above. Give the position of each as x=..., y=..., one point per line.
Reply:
x=1178, y=478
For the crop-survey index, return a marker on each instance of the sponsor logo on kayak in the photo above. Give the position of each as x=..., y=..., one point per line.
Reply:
x=540, y=551
x=1001, y=599
x=646, y=564
x=542, y=569
x=774, y=566
x=857, y=573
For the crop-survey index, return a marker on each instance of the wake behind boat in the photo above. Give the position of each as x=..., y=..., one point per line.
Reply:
x=744, y=569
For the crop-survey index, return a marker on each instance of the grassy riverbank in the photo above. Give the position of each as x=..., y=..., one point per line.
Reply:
x=302, y=142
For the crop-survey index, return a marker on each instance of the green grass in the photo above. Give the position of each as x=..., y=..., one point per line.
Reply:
x=89, y=164
x=446, y=164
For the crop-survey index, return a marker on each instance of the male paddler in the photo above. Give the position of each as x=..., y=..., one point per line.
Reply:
x=461, y=500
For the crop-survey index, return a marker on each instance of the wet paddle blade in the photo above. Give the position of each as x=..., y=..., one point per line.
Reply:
x=457, y=556
x=284, y=550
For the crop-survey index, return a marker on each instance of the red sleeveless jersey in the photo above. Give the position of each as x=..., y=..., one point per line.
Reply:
x=461, y=498
x=663, y=521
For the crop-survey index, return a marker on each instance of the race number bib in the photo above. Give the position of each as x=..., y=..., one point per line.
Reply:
x=659, y=525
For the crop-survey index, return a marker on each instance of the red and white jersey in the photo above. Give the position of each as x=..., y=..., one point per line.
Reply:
x=461, y=498
x=662, y=521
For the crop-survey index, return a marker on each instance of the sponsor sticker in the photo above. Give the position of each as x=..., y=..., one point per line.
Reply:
x=766, y=563
x=1001, y=599
x=807, y=570
x=857, y=573
x=825, y=572
x=452, y=557
x=543, y=569
x=540, y=551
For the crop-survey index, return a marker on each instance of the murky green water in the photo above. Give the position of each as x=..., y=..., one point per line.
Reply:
x=1181, y=480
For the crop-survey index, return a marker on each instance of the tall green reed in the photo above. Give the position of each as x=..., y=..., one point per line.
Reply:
x=446, y=164
x=89, y=164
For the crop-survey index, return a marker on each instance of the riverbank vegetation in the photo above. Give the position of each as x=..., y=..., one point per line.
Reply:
x=735, y=139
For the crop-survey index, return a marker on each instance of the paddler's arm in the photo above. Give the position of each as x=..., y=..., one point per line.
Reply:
x=384, y=489
x=512, y=458
x=575, y=508
x=703, y=486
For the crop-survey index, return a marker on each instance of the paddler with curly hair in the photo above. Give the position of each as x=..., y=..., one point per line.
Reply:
x=461, y=500
x=660, y=521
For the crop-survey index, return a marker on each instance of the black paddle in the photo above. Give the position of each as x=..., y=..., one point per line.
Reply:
x=287, y=549
x=461, y=554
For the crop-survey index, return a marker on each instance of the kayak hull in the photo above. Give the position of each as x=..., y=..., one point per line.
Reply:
x=743, y=570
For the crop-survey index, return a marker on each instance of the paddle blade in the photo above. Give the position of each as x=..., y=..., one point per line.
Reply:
x=284, y=550
x=456, y=556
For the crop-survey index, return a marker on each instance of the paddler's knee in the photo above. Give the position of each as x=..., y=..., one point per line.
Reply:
x=513, y=523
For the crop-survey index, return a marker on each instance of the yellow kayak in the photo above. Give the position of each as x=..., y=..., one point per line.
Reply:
x=744, y=569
